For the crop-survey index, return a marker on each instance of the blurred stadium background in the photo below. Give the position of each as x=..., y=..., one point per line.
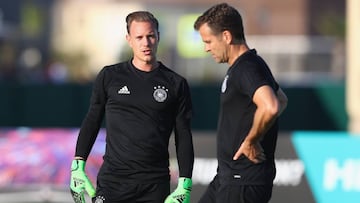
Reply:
x=51, y=50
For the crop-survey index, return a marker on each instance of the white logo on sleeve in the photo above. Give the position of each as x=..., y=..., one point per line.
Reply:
x=160, y=93
x=124, y=90
x=224, y=84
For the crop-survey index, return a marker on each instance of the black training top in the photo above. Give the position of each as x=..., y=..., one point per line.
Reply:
x=244, y=77
x=141, y=111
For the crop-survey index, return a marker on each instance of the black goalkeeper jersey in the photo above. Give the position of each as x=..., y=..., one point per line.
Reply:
x=243, y=78
x=141, y=111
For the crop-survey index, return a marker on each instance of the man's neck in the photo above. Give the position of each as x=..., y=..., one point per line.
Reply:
x=237, y=50
x=145, y=66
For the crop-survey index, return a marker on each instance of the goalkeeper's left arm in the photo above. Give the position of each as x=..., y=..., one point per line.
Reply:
x=184, y=147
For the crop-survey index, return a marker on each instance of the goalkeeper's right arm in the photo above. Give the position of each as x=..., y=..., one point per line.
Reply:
x=79, y=182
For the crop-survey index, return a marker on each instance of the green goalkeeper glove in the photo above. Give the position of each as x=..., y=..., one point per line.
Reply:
x=79, y=182
x=181, y=193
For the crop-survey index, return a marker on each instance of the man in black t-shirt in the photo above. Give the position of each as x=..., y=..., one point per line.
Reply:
x=142, y=102
x=251, y=101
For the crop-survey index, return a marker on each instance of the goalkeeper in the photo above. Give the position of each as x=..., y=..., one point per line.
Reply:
x=142, y=102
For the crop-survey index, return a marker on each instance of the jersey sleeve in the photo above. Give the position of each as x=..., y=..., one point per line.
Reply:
x=93, y=119
x=254, y=76
x=183, y=135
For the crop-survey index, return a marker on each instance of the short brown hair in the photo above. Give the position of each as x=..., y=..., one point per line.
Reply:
x=222, y=17
x=141, y=16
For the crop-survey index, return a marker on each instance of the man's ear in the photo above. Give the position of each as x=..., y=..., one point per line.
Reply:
x=128, y=39
x=227, y=36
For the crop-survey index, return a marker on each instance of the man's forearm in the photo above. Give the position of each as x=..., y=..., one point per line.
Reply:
x=263, y=120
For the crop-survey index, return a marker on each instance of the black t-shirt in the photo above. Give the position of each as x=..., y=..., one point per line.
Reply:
x=141, y=111
x=243, y=78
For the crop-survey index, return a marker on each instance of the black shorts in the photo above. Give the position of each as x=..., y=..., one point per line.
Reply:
x=113, y=192
x=218, y=193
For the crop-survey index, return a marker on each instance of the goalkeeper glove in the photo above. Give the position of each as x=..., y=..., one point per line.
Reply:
x=79, y=182
x=181, y=193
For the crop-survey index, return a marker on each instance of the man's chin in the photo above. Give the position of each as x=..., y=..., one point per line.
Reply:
x=219, y=61
x=149, y=59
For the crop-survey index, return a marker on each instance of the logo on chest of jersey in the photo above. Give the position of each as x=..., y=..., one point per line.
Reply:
x=124, y=90
x=160, y=93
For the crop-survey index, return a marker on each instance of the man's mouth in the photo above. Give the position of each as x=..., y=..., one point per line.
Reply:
x=147, y=52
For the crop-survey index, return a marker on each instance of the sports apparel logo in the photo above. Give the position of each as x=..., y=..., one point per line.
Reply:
x=78, y=182
x=160, y=93
x=78, y=197
x=124, y=90
x=180, y=198
x=224, y=84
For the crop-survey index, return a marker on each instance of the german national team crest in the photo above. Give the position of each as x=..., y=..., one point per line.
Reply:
x=160, y=93
x=99, y=199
